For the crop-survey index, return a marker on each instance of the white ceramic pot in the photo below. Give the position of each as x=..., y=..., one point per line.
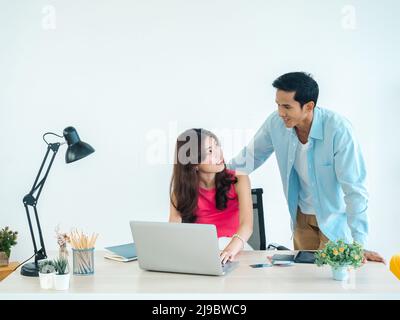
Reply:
x=46, y=280
x=340, y=273
x=61, y=281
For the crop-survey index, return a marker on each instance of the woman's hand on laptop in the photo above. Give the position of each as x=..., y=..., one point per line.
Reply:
x=226, y=256
x=231, y=250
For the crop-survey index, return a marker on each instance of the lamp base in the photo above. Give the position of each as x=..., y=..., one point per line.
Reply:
x=30, y=270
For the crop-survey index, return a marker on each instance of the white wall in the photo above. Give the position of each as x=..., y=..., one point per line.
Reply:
x=122, y=72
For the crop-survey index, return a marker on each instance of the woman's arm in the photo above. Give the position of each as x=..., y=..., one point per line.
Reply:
x=243, y=190
x=174, y=215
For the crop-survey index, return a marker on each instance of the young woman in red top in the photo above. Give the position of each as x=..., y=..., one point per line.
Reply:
x=202, y=190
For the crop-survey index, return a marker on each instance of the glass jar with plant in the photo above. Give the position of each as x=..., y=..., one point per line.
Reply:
x=62, y=241
x=8, y=238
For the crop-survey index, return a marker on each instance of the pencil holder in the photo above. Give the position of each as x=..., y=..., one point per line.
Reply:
x=83, y=261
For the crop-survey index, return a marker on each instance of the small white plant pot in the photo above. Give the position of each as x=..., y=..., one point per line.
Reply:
x=46, y=280
x=61, y=281
x=340, y=273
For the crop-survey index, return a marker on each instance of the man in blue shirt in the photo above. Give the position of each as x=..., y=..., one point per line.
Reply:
x=322, y=169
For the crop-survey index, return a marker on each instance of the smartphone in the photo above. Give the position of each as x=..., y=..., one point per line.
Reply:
x=261, y=265
x=282, y=259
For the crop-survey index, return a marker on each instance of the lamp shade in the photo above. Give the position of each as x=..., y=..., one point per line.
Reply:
x=77, y=149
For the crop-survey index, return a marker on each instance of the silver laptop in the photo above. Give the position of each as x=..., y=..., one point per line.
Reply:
x=178, y=247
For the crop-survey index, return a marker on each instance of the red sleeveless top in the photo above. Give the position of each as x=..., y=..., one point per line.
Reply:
x=226, y=220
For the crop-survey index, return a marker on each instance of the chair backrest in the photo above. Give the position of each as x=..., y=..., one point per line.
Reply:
x=257, y=239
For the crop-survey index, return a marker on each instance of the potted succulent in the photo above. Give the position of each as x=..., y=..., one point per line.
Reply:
x=340, y=256
x=46, y=274
x=8, y=238
x=62, y=276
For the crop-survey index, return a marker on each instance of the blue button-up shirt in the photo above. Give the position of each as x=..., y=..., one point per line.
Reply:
x=336, y=171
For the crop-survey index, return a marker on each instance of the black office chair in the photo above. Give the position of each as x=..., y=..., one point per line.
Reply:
x=258, y=240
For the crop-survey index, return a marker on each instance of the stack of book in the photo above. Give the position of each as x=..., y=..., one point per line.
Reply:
x=124, y=252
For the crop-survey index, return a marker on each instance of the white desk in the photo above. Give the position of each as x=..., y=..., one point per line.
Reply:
x=118, y=280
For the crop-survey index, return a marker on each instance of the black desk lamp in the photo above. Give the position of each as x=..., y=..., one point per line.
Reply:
x=76, y=150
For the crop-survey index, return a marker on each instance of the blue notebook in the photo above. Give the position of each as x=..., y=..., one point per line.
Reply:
x=124, y=252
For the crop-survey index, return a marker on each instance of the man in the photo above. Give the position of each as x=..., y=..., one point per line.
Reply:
x=321, y=166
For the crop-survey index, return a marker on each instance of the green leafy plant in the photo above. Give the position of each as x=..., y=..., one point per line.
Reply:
x=8, y=238
x=340, y=254
x=46, y=266
x=61, y=265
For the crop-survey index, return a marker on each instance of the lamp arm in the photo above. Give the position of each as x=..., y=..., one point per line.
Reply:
x=30, y=200
x=39, y=185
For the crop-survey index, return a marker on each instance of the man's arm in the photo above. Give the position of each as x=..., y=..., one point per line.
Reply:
x=255, y=153
x=351, y=174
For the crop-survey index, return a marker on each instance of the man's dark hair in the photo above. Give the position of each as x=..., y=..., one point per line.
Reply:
x=302, y=83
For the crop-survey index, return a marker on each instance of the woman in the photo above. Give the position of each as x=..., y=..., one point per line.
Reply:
x=203, y=191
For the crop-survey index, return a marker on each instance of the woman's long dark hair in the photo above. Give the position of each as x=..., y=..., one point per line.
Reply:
x=184, y=186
